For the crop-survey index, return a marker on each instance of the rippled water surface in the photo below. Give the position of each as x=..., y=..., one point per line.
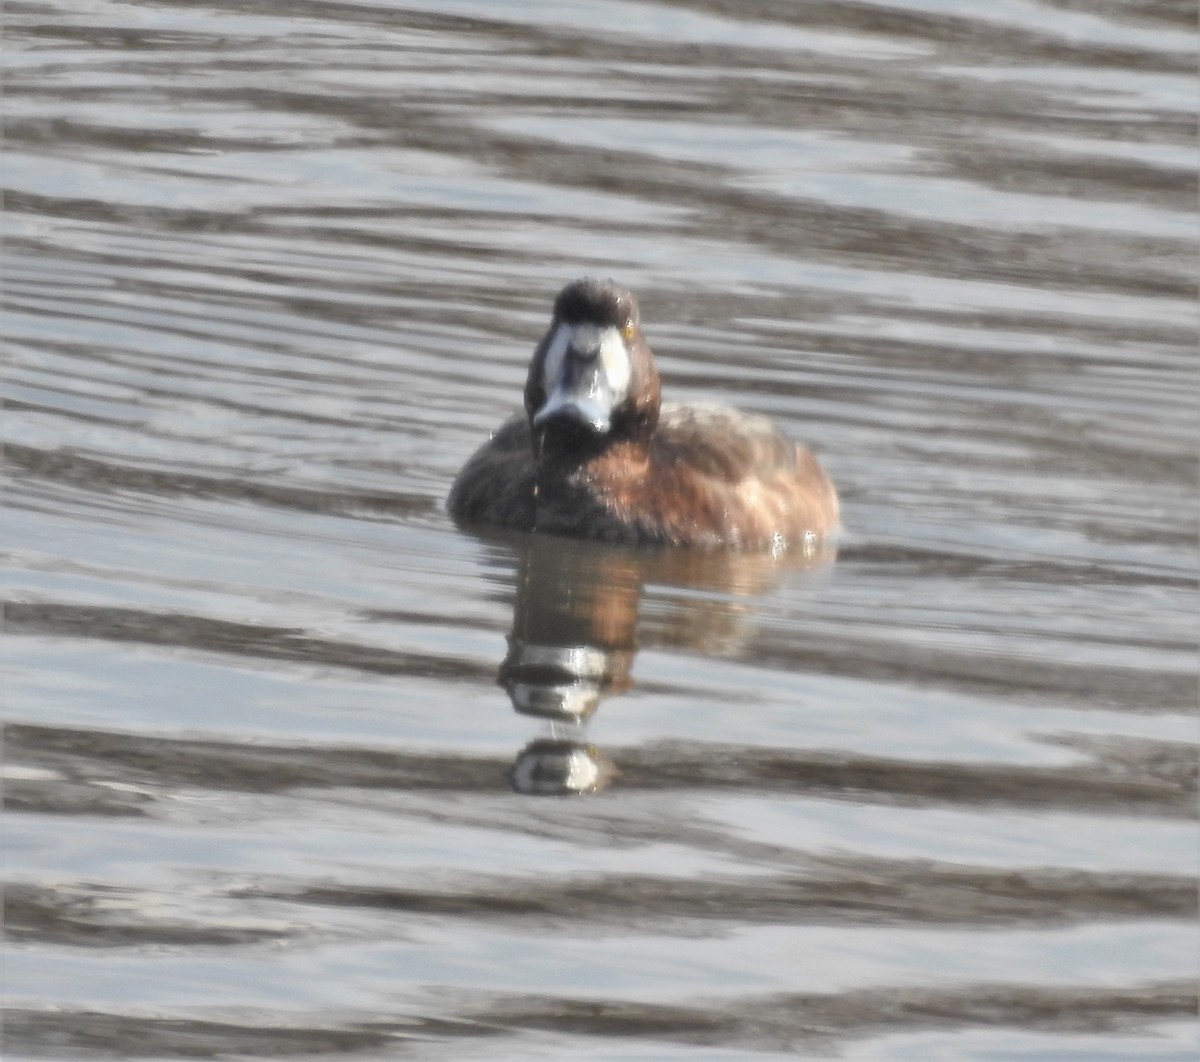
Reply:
x=295, y=767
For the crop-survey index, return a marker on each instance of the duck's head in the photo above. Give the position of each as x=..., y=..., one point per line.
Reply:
x=592, y=379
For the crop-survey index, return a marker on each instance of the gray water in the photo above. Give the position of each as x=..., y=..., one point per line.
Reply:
x=273, y=270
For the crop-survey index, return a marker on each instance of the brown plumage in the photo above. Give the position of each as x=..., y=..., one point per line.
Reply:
x=595, y=456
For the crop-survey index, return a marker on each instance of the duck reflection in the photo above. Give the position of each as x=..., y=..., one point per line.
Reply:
x=576, y=632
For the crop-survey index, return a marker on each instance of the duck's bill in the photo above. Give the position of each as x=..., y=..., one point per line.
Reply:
x=590, y=411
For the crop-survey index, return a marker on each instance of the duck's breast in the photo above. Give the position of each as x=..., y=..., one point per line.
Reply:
x=495, y=486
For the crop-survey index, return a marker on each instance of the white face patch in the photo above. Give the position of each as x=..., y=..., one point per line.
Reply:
x=586, y=373
x=555, y=352
x=614, y=357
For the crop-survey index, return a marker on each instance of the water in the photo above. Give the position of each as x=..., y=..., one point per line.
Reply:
x=274, y=270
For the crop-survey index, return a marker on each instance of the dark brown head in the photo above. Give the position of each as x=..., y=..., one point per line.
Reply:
x=592, y=380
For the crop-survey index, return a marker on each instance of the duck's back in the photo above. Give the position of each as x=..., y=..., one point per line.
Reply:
x=720, y=477
x=724, y=444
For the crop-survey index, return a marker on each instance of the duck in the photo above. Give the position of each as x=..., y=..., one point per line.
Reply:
x=598, y=455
